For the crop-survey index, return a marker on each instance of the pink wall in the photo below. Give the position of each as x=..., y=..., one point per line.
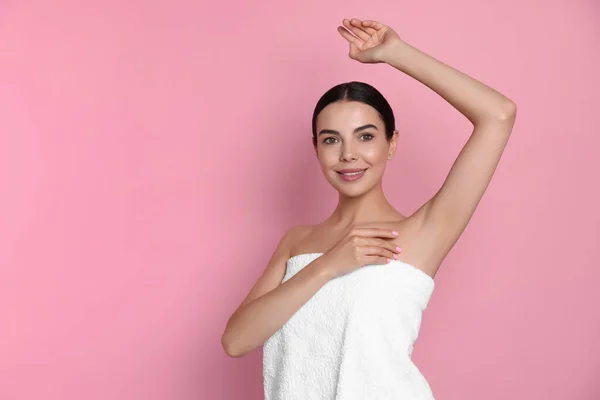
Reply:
x=152, y=155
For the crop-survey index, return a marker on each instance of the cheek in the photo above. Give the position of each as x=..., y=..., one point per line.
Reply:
x=375, y=152
x=327, y=158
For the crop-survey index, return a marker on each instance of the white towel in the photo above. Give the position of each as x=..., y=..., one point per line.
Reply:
x=354, y=338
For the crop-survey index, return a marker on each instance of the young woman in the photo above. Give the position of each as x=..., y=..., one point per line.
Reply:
x=338, y=307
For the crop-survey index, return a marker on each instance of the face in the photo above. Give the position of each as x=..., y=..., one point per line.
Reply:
x=352, y=147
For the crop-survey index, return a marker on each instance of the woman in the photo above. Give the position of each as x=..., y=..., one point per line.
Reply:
x=338, y=307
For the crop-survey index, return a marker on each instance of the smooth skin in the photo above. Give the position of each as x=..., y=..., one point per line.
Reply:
x=365, y=228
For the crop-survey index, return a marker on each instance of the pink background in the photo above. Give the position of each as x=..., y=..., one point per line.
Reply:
x=153, y=153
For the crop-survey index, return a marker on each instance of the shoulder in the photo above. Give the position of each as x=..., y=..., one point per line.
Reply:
x=273, y=273
x=298, y=237
x=296, y=233
x=292, y=236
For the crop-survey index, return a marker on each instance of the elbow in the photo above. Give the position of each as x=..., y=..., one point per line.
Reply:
x=508, y=111
x=230, y=347
x=504, y=112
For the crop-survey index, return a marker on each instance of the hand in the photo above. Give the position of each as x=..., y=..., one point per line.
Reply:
x=360, y=247
x=373, y=40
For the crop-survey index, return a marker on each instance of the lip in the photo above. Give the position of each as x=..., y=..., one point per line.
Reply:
x=351, y=178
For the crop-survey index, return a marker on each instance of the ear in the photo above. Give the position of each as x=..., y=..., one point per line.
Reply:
x=393, y=144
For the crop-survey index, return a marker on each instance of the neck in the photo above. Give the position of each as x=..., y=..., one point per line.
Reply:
x=368, y=208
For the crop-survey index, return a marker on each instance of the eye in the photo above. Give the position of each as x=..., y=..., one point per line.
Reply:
x=328, y=141
x=368, y=135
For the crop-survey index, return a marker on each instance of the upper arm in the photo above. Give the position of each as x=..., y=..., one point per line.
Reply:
x=274, y=272
x=448, y=212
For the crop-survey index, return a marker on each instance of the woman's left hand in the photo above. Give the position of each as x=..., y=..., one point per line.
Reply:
x=371, y=42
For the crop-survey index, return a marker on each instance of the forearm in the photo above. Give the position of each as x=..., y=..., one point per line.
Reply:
x=478, y=102
x=254, y=323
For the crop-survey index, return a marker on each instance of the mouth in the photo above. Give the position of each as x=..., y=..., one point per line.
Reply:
x=351, y=174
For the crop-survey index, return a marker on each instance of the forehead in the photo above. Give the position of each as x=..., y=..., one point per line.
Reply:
x=348, y=114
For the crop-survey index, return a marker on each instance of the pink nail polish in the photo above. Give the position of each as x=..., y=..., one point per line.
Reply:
x=398, y=248
x=394, y=233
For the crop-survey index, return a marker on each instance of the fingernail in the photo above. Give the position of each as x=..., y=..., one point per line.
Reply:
x=398, y=248
x=389, y=260
x=396, y=256
x=394, y=233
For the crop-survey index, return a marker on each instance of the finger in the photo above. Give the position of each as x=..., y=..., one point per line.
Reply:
x=373, y=24
x=378, y=242
x=378, y=251
x=375, y=232
x=368, y=29
x=391, y=246
x=348, y=36
x=355, y=26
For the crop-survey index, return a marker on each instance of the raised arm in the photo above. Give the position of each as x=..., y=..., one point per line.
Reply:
x=492, y=114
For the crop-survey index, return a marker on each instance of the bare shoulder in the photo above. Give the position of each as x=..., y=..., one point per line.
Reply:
x=299, y=236
x=287, y=243
x=274, y=271
x=298, y=233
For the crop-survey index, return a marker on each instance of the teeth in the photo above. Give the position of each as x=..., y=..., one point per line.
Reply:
x=352, y=173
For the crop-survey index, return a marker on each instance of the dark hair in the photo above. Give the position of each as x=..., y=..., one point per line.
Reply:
x=356, y=91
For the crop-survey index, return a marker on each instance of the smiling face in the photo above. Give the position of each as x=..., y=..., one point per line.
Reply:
x=352, y=147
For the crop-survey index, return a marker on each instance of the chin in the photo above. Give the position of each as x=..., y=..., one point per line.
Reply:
x=350, y=189
x=352, y=195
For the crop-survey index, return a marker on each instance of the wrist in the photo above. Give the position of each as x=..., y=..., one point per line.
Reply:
x=321, y=269
x=395, y=53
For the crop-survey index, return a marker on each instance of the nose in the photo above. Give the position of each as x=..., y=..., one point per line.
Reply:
x=348, y=154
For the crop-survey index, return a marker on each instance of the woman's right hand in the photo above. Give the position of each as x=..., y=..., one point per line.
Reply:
x=360, y=247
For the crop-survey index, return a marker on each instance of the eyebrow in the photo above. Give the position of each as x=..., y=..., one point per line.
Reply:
x=360, y=128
